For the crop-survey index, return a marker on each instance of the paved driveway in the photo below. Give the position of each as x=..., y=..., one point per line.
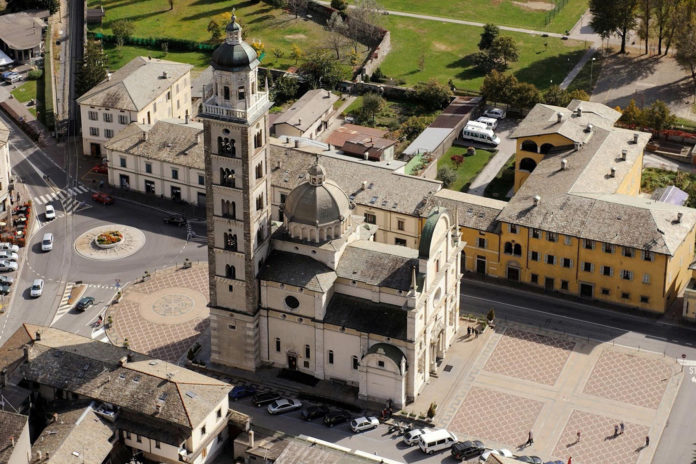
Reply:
x=505, y=150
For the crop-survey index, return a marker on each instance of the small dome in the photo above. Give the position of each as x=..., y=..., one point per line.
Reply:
x=317, y=204
x=234, y=54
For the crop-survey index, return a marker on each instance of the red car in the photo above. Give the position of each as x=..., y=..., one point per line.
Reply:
x=101, y=197
x=100, y=169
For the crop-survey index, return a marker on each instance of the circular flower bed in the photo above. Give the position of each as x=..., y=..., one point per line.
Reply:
x=108, y=239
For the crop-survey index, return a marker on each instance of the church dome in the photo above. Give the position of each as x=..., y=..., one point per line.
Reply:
x=234, y=54
x=316, y=204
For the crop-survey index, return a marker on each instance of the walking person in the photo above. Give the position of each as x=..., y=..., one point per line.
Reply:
x=616, y=431
x=530, y=439
x=647, y=441
x=468, y=330
x=622, y=427
x=578, y=440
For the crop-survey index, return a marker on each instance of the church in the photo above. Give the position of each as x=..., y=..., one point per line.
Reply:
x=314, y=293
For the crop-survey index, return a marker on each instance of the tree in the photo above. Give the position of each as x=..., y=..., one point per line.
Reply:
x=483, y=62
x=491, y=315
x=613, y=17
x=413, y=126
x=339, y=5
x=91, y=70
x=632, y=115
x=658, y=117
x=645, y=8
x=686, y=51
x=499, y=87
x=171, y=5
x=579, y=94
x=284, y=89
x=215, y=30
x=662, y=10
x=362, y=22
x=490, y=32
x=457, y=160
x=321, y=70
x=432, y=95
x=337, y=27
x=296, y=53
x=447, y=175
x=372, y=104
x=504, y=50
x=526, y=95
x=556, y=96
x=122, y=29
x=296, y=6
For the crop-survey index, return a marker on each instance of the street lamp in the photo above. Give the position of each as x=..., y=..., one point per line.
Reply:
x=591, y=69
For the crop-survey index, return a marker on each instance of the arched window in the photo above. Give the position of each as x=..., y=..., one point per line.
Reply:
x=527, y=164
x=227, y=177
x=226, y=146
x=545, y=148
x=517, y=250
x=508, y=248
x=230, y=241
x=229, y=209
x=530, y=145
x=230, y=271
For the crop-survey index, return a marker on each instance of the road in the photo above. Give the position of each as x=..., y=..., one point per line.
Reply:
x=77, y=213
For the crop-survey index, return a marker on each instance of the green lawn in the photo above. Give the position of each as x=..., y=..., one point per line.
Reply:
x=503, y=182
x=447, y=49
x=119, y=57
x=500, y=12
x=189, y=20
x=392, y=116
x=468, y=170
x=591, y=70
x=25, y=92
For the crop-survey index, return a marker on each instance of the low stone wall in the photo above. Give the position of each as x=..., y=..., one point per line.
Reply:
x=377, y=55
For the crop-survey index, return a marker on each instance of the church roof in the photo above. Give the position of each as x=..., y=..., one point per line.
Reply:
x=378, y=264
x=317, y=202
x=298, y=271
x=234, y=54
x=367, y=316
x=427, y=232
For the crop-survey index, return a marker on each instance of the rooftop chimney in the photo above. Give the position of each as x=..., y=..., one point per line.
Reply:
x=108, y=76
x=364, y=185
x=624, y=154
x=679, y=217
x=251, y=438
x=635, y=137
x=366, y=155
x=144, y=136
x=579, y=111
x=297, y=143
x=589, y=127
x=537, y=200
x=164, y=74
x=564, y=164
x=577, y=146
x=129, y=357
x=37, y=336
x=26, y=353
x=186, y=117
x=328, y=147
x=559, y=116
x=299, y=121
x=12, y=441
x=123, y=361
x=612, y=173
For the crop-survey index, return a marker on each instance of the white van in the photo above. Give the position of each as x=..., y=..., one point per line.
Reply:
x=477, y=124
x=491, y=123
x=478, y=134
x=437, y=440
x=47, y=242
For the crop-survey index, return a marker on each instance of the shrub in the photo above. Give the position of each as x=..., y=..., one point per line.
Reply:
x=35, y=74
x=491, y=314
x=339, y=5
x=431, y=410
x=447, y=176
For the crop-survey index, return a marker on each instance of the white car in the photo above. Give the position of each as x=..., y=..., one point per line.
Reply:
x=9, y=255
x=496, y=113
x=284, y=405
x=498, y=452
x=50, y=213
x=360, y=424
x=6, y=265
x=37, y=288
x=411, y=438
x=9, y=246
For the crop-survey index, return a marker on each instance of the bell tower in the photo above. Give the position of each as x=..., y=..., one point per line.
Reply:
x=235, y=120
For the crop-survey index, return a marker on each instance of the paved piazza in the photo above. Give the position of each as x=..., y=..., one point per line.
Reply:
x=522, y=380
x=164, y=315
x=133, y=240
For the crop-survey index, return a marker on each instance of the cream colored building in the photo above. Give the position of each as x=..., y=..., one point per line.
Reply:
x=164, y=159
x=169, y=413
x=316, y=293
x=145, y=90
x=14, y=438
x=308, y=117
x=4, y=171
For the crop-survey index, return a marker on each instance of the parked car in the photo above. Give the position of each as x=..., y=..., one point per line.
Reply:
x=37, y=288
x=6, y=280
x=241, y=391
x=11, y=77
x=314, y=412
x=103, y=198
x=9, y=246
x=496, y=113
x=360, y=424
x=284, y=405
x=464, y=450
x=260, y=399
x=176, y=220
x=411, y=438
x=530, y=459
x=84, y=303
x=6, y=265
x=335, y=418
x=100, y=169
x=4, y=289
x=436, y=441
x=9, y=255
x=22, y=209
x=50, y=213
x=498, y=452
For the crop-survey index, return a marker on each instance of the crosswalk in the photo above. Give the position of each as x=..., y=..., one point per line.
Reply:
x=64, y=307
x=67, y=197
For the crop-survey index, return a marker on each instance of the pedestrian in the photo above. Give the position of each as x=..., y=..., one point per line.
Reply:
x=530, y=440
x=101, y=183
x=468, y=330
x=622, y=427
x=578, y=440
x=616, y=430
x=647, y=441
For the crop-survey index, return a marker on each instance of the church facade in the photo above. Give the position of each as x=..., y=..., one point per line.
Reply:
x=314, y=293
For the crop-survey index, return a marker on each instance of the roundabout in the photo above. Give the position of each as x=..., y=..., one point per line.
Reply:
x=109, y=242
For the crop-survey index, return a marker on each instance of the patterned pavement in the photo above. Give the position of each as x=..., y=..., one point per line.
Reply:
x=597, y=441
x=629, y=379
x=492, y=415
x=165, y=315
x=530, y=356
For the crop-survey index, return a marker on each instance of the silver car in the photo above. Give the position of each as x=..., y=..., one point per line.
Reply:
x=9, y=255
x=8, y=246
x=6, y=265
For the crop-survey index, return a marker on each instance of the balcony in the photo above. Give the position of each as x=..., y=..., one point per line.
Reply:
x=210, y=108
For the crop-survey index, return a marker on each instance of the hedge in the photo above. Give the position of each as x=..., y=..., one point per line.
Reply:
x=180, y=45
